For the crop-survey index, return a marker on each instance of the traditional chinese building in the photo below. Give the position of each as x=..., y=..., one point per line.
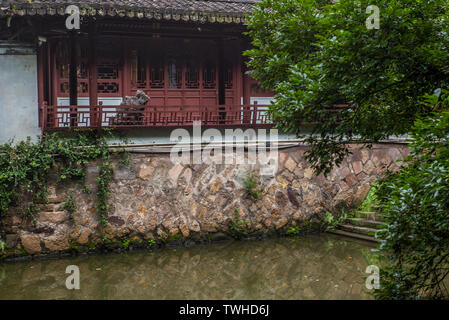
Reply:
x=186, y=55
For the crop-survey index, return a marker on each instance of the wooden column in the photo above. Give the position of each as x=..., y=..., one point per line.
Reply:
x=50, y=74
x=245, y=87
x=126, y=69
x=41, y=80
x=221, y=79
x=221, y=73
x=73, y=77
x=52, y=84
x=93, y=90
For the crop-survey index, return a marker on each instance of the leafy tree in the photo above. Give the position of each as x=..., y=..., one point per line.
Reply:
x=415, y=204
x=317, y=54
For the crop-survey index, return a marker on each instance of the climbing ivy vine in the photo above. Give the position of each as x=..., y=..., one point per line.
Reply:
x=25, y=167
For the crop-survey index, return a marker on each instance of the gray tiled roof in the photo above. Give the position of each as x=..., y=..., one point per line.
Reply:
x=222, y=11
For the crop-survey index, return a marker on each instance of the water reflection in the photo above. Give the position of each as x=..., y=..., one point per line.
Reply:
x=313, y=267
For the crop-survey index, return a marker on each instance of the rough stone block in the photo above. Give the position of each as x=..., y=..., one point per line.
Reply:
x=357, y=166
x=11, y=240
x=351, y=180
x=53, y=217
x=290, y=164
x=31, y=243
x=57, y=242
x=123, y=173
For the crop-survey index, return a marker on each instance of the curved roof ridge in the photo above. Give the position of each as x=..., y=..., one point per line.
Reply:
x=221, y=11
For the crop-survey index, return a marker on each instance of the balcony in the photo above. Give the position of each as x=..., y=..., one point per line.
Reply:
x=56, y=118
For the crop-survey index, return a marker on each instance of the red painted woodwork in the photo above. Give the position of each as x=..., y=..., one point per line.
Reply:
x=109, y=71
x=187, y=79
x=171, y=71
x=93, y=72
x=125, y=117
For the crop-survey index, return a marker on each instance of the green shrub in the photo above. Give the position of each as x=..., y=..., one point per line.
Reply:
x=415, y=205
x=371, y=201
x=333, y=221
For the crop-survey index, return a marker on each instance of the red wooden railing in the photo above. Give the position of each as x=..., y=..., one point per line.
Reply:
x=128, y=117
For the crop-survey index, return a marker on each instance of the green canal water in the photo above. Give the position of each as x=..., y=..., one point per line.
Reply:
x=310, y=267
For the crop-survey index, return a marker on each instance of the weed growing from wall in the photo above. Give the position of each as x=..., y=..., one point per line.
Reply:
x=238, y=228
x=70, y=207
x=293, y=231
x=252, y=186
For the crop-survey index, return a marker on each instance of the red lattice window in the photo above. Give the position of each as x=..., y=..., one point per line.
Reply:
x=64, y=87
x=108, y=87
x=64, y=71
x=174, y=73
x=109, y=54
x=108, y=70
x=82, y=74
x=138, y=70
x=192, y=74
x=209, y=75
x=157, y=73
x=83, y=87
x=228, y=76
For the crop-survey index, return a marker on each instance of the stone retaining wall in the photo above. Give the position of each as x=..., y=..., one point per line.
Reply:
x=155, y=199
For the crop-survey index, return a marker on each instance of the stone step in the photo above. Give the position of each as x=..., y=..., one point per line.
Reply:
x=374, y=216
x=353, y=235
x=357, y=229
x=368, y=223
